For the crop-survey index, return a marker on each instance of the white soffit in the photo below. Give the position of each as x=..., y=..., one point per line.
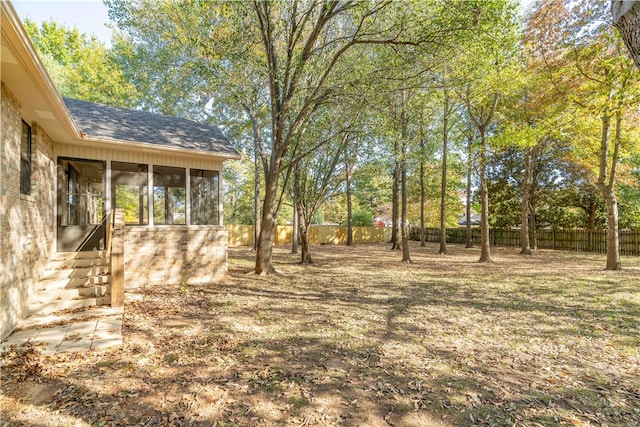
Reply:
x=47, y=115
x=7, y=56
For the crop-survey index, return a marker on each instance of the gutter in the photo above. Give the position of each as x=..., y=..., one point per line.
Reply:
x=148, y=147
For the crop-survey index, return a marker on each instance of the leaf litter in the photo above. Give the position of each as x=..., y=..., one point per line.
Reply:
x=358, y=339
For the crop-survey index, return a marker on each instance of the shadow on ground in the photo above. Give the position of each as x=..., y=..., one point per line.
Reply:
x=360, y=339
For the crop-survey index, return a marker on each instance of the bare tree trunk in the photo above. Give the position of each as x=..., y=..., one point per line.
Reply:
x=294, y=231
x=591, y=222
x=525, y=247
x=349, y=206
x=264, y=262
x=395, y=201
x=406, y=257
x=613, y=237
x=256, y=203
x=533, y=226
x=591, y=216
x=485, y=251
x=257, y=143
x=256, y=193
x=468, y=207
x=304, y=238
x=296, y=213
x=626, y=18
x=606, y=184
x=423, y=236
x=443, y=183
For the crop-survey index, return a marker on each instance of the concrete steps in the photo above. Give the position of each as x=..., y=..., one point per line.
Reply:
x=72, y=280
x=71, y=283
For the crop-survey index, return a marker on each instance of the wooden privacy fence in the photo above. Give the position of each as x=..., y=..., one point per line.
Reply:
x=242, y=235
x=573, y=240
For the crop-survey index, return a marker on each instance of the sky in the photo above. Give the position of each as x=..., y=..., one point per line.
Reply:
x=89, y=16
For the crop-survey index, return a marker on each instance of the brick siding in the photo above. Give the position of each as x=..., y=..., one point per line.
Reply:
x=26, y=222
x=174, y=254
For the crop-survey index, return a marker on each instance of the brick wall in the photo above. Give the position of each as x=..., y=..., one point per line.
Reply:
x=26, y=222
x=174, y=254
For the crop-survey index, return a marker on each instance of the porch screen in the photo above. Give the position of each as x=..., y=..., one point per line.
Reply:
x=169, y=195
x=204, y=197
x=129, y=191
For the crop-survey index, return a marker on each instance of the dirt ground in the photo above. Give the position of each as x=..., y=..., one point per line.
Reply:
x=358, y=339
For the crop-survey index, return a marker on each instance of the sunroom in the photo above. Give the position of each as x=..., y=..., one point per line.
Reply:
x=163, y=172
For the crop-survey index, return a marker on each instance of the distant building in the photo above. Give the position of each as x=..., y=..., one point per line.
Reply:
x=475, y=219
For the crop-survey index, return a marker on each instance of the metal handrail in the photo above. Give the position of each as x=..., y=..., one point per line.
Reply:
x=93, y=233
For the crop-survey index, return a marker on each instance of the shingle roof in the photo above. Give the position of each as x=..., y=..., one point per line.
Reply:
x=104, y=121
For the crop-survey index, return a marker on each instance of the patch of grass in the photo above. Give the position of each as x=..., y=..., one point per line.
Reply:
x=298, y=401
x=170, y=358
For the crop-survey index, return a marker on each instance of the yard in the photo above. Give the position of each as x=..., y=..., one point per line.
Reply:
x=359, y=339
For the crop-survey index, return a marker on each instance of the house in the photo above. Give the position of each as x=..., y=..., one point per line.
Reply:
x=66, y=164
x=462, y=219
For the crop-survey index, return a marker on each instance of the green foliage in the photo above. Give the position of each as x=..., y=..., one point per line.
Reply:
x=372, y=185
x=81, y=66
x=318, y=218
x=238, y=192
x=362, y=218
x=128, y=198
x=207, y=60
x=561, y=194
x=629, y=204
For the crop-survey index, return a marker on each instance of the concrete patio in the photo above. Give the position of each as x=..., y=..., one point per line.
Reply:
x=103, y=330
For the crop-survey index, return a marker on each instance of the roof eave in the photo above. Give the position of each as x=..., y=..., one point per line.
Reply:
x=30, y=59
x=147, y=147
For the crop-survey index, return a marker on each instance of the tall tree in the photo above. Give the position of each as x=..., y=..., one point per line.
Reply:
x=81, y=66
x=487, y=69
x=423, y=237
x=482, y=115
x=303, y=43
x=447, y=110
x=404, y=142
x=316, y=177
x=586, y=64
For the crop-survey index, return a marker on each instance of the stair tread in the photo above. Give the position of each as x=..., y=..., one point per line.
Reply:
x=76, y=273
x=73, y=280
x=60, y=256
x=72, y=293
x=70, y=283
x=78, y=263
x=65, y=304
